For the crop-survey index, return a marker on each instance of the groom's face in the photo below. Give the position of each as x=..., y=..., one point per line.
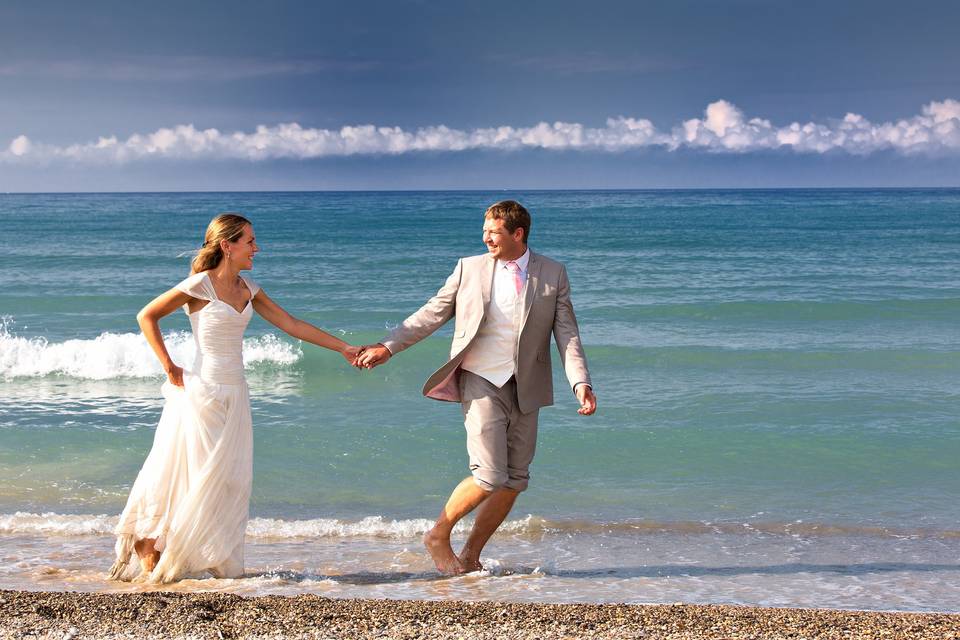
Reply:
x=502, y=244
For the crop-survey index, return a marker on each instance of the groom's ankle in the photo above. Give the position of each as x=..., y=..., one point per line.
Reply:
x=433, y=534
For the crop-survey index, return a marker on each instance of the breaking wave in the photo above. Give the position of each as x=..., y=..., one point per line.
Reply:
x=120, y=355
x=24, y=523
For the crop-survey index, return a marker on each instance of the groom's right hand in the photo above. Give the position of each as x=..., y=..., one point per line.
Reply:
x=372, y=355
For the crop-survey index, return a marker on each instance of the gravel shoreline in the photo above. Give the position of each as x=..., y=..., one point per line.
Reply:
x=38, y=614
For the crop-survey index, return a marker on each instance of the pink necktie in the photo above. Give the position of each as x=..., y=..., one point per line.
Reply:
x=517, y=280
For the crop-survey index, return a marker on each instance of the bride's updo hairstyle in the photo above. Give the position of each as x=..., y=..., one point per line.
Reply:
x=226, y=226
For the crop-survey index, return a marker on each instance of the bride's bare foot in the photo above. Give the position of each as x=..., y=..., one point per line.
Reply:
x=149, y=562
x=442, y=554
x=149, y=557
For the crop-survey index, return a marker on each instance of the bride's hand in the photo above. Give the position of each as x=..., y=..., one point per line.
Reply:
x=175, y=375
x=350, y=353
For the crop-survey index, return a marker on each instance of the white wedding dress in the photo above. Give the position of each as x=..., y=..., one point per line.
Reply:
x=192, y=494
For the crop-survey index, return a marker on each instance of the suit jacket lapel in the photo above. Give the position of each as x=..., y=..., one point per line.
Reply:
x=533, y=282
x=486, y=281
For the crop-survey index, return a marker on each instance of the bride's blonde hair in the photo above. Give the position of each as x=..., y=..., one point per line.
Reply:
x=226, y=226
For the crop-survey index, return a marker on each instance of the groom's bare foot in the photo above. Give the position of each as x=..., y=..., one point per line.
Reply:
x=470, y=564
x=442, y=554
x=469, y=560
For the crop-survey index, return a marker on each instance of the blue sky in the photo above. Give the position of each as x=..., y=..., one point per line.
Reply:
x=419, y=95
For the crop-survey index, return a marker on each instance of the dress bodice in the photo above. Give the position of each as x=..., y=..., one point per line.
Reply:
x=217, y=331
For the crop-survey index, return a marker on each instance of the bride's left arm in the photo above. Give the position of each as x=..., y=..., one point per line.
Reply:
x=278, y=316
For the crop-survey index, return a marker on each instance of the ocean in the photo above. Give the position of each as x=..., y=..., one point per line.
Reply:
x=777, y=374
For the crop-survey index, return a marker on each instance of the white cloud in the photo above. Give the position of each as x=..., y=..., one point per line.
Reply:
x=20, y=146
x=724, y=128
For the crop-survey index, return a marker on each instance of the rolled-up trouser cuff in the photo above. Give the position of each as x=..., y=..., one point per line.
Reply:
x=488, y=479
x=517, y=484
x=491, y=480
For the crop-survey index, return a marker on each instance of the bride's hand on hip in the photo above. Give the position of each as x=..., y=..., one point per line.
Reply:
x=175, y=375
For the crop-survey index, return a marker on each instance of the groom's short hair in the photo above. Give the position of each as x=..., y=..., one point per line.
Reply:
x=513, y=214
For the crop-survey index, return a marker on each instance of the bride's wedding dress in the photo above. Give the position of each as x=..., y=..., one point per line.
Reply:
x=192, y=494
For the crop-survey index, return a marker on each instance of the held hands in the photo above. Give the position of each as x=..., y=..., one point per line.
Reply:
x=350, y=353
x=175, y=375
x=365, y=357
x=588, y=401
x=371, y=356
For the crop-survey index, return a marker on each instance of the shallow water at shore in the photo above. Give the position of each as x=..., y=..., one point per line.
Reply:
x=536, y=560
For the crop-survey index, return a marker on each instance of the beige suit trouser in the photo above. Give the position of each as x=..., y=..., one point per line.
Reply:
x=500, y=439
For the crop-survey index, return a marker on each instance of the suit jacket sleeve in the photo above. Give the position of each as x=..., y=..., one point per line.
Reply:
x=430, y=317
x=567, y=334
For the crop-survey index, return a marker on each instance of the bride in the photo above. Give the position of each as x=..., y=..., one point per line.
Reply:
x=188, y=509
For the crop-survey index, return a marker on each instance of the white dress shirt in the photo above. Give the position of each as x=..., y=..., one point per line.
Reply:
x=494, y=353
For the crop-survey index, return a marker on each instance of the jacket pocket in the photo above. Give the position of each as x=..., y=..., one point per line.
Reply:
x=543, y=356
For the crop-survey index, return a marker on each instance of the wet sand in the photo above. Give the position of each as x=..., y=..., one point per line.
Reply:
x=25, y=614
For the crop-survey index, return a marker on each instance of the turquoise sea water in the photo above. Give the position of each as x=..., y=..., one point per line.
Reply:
x=777, y=372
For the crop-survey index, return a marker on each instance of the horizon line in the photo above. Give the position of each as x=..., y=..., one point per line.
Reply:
x=494, y=189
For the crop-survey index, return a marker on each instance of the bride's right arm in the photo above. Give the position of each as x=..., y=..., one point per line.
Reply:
x=278, y=317
x=149, y=321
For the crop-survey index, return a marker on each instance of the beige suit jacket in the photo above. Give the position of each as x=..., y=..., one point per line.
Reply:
x=466, y=296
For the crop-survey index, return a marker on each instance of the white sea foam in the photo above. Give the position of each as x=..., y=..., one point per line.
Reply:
x=333, y=528
x=374, y=526
x=51, y=523
x=56, y=524
x=25, y=523
x=118, y=355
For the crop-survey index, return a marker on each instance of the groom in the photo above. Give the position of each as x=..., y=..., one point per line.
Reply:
x=506, y=304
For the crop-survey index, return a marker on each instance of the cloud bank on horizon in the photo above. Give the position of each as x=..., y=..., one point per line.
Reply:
x=723, y=128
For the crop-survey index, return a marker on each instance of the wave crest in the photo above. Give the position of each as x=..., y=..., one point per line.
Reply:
x=263, y=528
x=119, y=355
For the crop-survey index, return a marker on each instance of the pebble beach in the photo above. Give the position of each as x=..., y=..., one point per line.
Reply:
x=37, y=614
